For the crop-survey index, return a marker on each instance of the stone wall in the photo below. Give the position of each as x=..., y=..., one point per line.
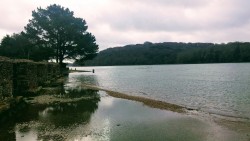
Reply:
x=53, y=71
x=6, y=76
x=22, y=77
x=42, y=73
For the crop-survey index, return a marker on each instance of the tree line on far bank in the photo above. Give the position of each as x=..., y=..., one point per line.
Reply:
x=52, y=34
x=173, y=53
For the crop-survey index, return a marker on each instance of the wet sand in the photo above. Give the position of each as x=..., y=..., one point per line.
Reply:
x=149, y=102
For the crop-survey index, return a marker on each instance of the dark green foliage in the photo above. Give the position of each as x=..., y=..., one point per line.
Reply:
x=18, y=46
x=52, y=33
x=173, y=53
x=217, y=53
x=15, y=46
x=57, y=28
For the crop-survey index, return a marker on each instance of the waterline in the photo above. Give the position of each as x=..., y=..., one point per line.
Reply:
x=146, y=101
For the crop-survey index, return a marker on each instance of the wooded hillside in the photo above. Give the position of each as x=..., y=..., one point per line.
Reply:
x=173, y=53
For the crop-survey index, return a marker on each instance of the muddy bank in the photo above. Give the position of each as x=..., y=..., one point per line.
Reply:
x=46, y=99
x=149, y=102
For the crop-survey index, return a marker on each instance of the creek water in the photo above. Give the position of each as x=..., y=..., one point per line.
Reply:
x=222, y=89
x=80, y=114
x=105, y=118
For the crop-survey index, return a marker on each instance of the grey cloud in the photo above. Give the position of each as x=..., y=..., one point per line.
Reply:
x=121, y=22
x=175, y=19
x=178, y=3
x=14, y=16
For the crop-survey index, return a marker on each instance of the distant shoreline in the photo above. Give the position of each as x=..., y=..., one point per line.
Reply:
x=155, y=65
x=173, y=53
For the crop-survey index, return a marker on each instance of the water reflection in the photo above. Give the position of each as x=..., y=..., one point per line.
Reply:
x=52, y=121
x=76, y=79
x=76, y=114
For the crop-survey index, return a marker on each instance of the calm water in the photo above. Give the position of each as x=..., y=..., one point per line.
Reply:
x=90, y=115
x=222, y=89
x=104, y=118
x=109, y=119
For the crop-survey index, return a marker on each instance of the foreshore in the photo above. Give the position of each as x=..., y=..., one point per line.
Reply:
x=89, y=112
x=94, y=113
x=239, y=125
x=146, y=101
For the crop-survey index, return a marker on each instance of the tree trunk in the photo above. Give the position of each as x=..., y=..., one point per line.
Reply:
x=61, y=58
x=57, y=54
x=62, y=66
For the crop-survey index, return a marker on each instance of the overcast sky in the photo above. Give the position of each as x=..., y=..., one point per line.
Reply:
x=122, y=22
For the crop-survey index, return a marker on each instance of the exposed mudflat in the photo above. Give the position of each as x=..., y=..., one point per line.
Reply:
x=149, y=102
x=50, y=99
